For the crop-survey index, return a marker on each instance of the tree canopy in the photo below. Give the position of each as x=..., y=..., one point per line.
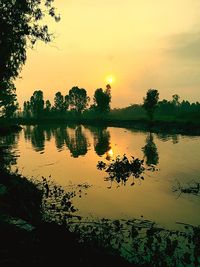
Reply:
x=151, y=102
x=102, y=99
x=21, y=26
x=78, y=99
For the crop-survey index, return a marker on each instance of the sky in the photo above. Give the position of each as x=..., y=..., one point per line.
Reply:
x=142, y=44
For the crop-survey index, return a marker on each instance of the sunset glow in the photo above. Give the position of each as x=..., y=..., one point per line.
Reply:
x=150, y=45
x=110, y=79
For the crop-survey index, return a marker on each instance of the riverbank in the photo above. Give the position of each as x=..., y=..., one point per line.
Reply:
x=8, y=127
x=27, y=240
x=157, y=126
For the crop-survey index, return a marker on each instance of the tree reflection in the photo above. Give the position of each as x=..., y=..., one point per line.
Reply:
x=75, y=140
x=150, y=151
x=77, y=143
x=166, y=137
x=175, y=139
x=8, y=156
x=60, y=136
x=38, y=138
x=101, y=141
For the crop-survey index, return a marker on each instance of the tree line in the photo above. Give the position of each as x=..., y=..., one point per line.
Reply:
x=173, y=107
x=155, y=109
x=76, y=101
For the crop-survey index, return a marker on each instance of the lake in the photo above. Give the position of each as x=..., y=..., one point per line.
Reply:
x=69, y=155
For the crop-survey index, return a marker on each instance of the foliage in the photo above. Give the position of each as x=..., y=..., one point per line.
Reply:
x=8, y=104
x=57, y=202
x=21, y=26
x=102, y=100
x=27, y=109
x=150, y=102
x=37, y=103
x=121, y=169
x=142, y=242
x=47, y=107
x=77, y=99
x=60, y=103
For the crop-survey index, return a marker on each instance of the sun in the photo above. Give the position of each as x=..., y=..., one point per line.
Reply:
x=109, y=79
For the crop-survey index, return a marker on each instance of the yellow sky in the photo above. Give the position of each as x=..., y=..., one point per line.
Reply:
x=143, y=44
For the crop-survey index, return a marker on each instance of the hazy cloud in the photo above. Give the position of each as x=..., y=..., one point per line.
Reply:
x=185, y=46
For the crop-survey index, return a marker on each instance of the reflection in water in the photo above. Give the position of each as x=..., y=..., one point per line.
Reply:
x=36, y=135
x=180, y=161
x=77, y=143
x=60, y=136
x=109, y=154
x=166, y=137
x=150, y=151
x=8, y=155
x=73, y=138
x=101, y=141
x=175, y=138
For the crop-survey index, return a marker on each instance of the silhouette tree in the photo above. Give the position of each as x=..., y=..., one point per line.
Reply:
x=77, y=99
x=21, y=26
x=102, y=99
x=37, y=103
x=151, y=102
x=175, y=99
x=60, y=103
x=27, y=109
x=47, y=107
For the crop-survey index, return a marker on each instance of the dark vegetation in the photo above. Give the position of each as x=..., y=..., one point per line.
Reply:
x=157, y=116
x=121, y=169
x=191, y=188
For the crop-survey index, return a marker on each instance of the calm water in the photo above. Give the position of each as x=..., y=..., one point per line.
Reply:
x=70, y=156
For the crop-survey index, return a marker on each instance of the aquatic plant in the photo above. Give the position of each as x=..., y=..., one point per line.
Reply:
x=120, y=169
x=192, y=187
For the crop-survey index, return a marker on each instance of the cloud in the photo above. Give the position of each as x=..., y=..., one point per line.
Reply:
x=185, y=46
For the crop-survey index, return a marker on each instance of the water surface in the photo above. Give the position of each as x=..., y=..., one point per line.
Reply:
x=70, y=155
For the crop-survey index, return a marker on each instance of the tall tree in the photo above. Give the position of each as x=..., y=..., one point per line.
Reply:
x=175, y=99
x=21, y=26
x=78, y=99
x=47, y=107
x=27, y=109
x=37, y=103
x=102, y=99
x=151, y=102
x=60, y=103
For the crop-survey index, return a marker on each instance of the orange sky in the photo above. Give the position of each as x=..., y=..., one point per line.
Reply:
x=143, y=44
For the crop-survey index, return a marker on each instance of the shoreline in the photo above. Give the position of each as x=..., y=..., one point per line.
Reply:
x=156, y=126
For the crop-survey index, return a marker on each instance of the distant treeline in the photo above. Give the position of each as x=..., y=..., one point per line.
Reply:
x=167, y=110
x=77, y=104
